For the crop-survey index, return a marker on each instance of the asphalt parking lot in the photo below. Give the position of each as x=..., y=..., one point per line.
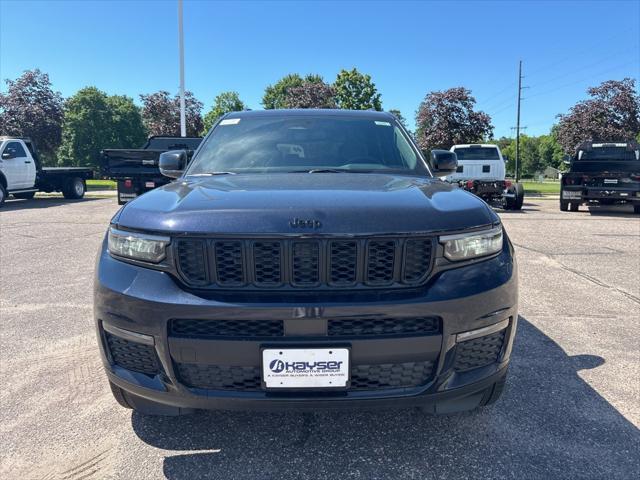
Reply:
x=571, y=408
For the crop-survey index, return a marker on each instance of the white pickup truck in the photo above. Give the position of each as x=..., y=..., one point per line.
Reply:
x=22, y=175
x=481, y=170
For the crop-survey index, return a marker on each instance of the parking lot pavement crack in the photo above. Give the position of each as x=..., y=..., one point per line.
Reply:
x=586, y=276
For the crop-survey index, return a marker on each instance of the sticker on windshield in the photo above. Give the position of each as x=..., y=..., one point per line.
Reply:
x=383, y=124
x=230, y=121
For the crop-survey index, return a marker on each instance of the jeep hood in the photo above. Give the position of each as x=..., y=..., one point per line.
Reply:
x=343, y=203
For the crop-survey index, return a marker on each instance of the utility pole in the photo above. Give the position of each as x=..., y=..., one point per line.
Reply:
x=518, y=119
x=183, y=116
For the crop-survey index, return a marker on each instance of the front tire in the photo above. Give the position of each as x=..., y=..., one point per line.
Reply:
x=74, y=188
x=564, y=206
x=3, y=194
x=636, y=209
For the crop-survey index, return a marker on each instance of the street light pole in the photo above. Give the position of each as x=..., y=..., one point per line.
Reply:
x=183, y=116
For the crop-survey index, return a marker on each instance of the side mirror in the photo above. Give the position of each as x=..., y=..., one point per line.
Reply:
x=443, y=162
x=505, y=158
x=566, y=159
x=172, y=163
x=6, y=156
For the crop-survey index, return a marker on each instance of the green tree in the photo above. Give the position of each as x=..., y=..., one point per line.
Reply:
x=396, y=113
x=275, y=96
x=126, y=122
x=94, y=121
x=224, y=103
x=356, y=91
x=550, y=150
x=530, y=161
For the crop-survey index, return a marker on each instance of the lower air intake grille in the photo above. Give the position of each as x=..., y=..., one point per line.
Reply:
x=247, y=379
x=390, y=375
x=413, y=326
x=216, y=377
x=132, y=355
x=479, y=352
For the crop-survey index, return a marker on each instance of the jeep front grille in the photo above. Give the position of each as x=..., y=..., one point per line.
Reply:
x=268, y=264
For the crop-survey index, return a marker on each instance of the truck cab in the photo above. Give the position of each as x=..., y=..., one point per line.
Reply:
x=481, y=171
x=17, y=165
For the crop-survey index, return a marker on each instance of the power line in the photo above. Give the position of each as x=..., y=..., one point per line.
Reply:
x=587, y=50
x=583, y=79
x=572, y=71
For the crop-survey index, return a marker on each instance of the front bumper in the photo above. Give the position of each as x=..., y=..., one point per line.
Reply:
x=487, y=188
x=595, y=194
x=143, y=303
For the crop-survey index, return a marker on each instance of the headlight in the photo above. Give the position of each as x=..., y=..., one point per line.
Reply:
x=137, y=246
x=472, y=245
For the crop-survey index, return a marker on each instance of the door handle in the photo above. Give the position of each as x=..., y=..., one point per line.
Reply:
x=27, y=161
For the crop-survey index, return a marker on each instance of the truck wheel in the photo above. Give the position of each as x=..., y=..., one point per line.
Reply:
x=3, y=194
x=636, y=209
x=74, y=188
x=519, y=200
x=25, y=196
x=515, y=203
x=564, y=206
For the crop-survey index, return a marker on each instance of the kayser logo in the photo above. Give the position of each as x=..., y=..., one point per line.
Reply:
x=304, y=223
x=279, y=366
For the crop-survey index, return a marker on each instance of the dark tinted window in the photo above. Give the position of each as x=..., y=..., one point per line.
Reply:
x=607, y=153
x=15, y=150
x=299, y=143
x=171, y=143
x=477, y=153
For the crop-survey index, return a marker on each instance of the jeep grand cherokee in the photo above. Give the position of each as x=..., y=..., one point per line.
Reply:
x=306, y=259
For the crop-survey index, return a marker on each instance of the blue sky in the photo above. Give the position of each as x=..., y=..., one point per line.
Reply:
x=409, y=48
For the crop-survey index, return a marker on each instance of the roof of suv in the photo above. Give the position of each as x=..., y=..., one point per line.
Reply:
x=372, y=114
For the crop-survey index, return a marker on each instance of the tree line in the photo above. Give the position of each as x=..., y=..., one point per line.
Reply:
x=72, y=131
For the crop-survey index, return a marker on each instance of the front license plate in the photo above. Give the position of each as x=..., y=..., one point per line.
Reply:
x=568, y=194
x=305, y=367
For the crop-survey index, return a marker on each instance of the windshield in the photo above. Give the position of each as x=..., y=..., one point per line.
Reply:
x=477, y=153
x=302, y=143
x=599, y=154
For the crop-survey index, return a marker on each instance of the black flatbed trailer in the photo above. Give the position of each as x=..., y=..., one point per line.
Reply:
x=136, y=171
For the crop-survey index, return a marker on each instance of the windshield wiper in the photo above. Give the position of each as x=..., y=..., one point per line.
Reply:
x=207, y=174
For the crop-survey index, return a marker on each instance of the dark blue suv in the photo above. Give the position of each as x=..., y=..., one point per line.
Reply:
x=306, y=259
